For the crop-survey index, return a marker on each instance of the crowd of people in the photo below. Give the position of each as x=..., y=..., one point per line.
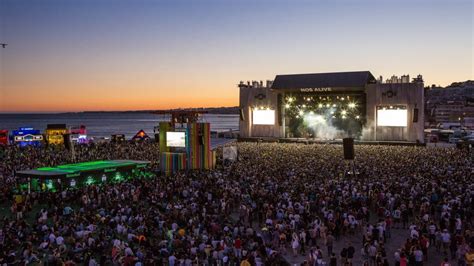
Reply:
x=393, y=205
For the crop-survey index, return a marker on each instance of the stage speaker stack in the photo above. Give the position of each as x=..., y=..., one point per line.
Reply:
x=348, y=144
x=415, y=115
x=279, y=105
x=67, y=141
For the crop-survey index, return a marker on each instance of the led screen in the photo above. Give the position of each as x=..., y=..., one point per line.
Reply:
x=175, y=139
x=263, y=117
x=392, y=117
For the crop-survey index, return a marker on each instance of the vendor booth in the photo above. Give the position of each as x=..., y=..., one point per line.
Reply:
x=27, y=136
x=80, y=174
x=55, y=134
x=4, y=137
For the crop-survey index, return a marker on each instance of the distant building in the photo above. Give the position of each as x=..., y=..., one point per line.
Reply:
x=453, y=104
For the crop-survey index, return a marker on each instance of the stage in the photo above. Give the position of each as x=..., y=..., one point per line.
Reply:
x=332, y=106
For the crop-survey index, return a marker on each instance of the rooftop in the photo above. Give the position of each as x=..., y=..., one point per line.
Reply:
x=320, y=80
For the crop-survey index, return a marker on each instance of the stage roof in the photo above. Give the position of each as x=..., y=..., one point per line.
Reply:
x=75, y=169
x=323, y=80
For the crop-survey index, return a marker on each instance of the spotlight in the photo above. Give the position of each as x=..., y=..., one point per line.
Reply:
x=343, y=112
x=343, y=117
x=334, y=105
x=268, y=108
x=297, y=116
x=357, y=117
x=290, y=100
x=342, y=98
x=311, y=113
x=391, y=107
x=304, y=106
x=287, y=106
x=333, y=116
x=332, y=112
x=328, y=105
x=301, y=112
x=308, y=99
x=320, y=105
x=352, y=105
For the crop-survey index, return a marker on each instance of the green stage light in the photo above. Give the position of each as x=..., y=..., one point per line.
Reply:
x=352, y=105
x=320, y=105
x=89, y=180
x=343, y=112
x=328, y=105
x=287, y=106
x=118, y=177
x=49, y=184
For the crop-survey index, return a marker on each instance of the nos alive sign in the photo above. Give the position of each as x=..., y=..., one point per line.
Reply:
x=315, y=89
x=332, y=89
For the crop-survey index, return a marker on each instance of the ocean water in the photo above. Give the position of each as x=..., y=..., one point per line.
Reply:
x=105, y=124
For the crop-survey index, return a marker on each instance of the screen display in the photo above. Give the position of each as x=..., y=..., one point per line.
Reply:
x=263, y=117
x=392, y=117
x=176, y=139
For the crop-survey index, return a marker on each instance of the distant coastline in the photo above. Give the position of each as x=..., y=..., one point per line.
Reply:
x=210, y=110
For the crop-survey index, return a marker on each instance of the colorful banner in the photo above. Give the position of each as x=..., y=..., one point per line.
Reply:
x=172, y=162
x=199, y=146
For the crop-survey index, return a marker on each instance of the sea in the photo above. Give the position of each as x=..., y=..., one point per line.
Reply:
x=103, y=125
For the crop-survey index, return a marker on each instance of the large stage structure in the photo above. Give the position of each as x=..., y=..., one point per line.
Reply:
x=185, y=143
x=331, y=106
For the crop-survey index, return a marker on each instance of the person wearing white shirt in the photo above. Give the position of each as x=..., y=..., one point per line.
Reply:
x=445, y=238
x=52, y=238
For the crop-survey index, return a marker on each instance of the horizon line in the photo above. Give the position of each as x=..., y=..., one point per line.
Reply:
x=112, y=111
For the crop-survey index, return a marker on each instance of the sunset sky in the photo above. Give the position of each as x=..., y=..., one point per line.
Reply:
x=66, y=55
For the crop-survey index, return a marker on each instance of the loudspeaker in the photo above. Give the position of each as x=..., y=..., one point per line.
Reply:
x=415, y=115
x=242, y=117
x=348, y=144
x=67, y=141
x=279, y=105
